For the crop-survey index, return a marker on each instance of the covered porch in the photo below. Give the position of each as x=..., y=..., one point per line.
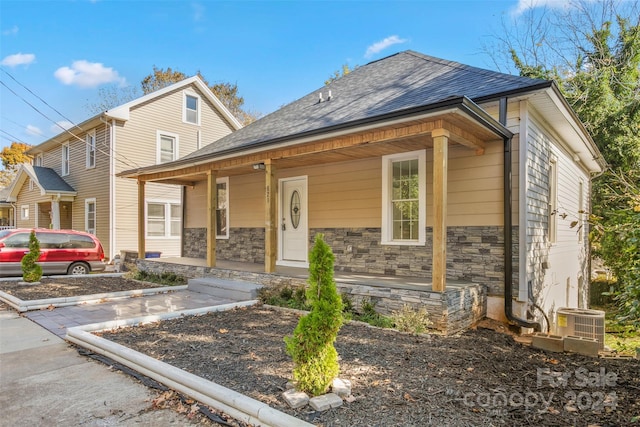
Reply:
x=460, y=306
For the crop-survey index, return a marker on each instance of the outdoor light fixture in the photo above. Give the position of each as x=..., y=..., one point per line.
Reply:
x=258, y=166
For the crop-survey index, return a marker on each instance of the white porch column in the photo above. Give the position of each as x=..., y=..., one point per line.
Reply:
x=55, y=213
x=141, y=221
x=440, y=164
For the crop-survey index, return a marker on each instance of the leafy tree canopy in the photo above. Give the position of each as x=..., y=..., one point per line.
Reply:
x=12, y=157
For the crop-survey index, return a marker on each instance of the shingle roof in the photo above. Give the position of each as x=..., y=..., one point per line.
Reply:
x=399, y=82
x=49, y=180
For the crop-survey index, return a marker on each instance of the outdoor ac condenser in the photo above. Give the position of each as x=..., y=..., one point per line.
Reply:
x=581, y=322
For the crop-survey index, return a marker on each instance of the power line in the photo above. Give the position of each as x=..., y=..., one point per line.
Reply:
x=124, y=162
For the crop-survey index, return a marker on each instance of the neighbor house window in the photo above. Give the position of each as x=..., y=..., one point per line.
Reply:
x=191, y=109
x=222, y=210
x=38, y=160
x=65, y=159
x=24, y=212
x=404, y=198
x=553, y=200
x=90, y=216
x=167, y=147
x=91, y=150
x=164, y=219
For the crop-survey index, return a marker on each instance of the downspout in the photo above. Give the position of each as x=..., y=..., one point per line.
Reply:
x=508, y=221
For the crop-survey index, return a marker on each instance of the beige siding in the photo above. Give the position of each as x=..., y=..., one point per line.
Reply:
x=29, y=197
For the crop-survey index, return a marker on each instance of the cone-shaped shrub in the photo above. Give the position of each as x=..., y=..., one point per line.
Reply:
x=311, y=346
x=31, y=272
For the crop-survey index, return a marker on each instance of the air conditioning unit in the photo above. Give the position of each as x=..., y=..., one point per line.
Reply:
x=581, y=322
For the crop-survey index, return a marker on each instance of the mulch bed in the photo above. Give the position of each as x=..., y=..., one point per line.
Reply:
x=480, y=377
x=72, y=286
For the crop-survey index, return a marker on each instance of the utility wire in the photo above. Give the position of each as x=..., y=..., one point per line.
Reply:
x=124, y=162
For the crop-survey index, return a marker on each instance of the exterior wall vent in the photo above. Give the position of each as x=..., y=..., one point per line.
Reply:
x=580, y=322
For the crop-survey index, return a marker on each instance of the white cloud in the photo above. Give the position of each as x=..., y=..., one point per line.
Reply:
x=198, y=11
x=88, y=74
x=383, y=44
x=34, y=130
x=524, y=5
x=11, y=31
x=18, y=59
x=61, y=125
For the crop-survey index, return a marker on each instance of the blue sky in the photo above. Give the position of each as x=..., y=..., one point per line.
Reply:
x=63, y=52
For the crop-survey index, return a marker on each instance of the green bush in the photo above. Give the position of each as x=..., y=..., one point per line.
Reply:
x=311, y=346
x=32, y=272
x=166, y=278
x=411, y=320
x=284, y=296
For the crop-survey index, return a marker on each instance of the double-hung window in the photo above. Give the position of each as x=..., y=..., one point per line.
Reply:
x=167, y=147
x=222, y=210
x=65, y=159
x=90, y=216
x=164, y=219
x=91, y=149
x=191, y=109
x=404, y=198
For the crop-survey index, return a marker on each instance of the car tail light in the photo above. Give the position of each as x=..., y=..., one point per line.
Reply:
x=100, y=252
x=1, y=245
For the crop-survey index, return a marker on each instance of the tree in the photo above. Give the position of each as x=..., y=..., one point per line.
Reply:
x=343, y=71
x=592, y=51
x=32, y=272
x=111, y=96
x=227, y=93
x=311, y=346
x=12, y=157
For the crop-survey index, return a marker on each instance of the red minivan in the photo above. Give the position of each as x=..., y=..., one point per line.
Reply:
x=61, y=251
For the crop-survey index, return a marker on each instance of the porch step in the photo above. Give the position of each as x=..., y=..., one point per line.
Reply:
x=227, y=289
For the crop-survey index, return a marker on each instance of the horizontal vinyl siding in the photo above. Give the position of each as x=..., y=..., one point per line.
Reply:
x=27, y=197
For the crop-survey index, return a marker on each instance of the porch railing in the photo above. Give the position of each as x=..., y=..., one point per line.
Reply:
x=7, y=227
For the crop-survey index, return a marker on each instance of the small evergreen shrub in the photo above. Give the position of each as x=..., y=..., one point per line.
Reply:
x=368, y=314
x=411, y=320
x=284, y=296
x=32, y=272
x=311, y=346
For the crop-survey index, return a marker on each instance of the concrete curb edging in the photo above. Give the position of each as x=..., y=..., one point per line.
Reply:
x=39, y=304
x=209, y=393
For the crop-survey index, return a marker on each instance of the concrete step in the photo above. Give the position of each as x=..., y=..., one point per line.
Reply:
x=228, y=289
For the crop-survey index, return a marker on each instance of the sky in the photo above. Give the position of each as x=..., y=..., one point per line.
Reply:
x=55, y=56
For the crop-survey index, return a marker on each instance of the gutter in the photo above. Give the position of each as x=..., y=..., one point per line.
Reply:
x=508, y=222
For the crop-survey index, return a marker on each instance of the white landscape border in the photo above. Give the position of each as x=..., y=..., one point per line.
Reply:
x=235, y=404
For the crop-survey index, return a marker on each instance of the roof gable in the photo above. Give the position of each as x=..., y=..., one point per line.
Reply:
x=46, y=179
x=391, y=85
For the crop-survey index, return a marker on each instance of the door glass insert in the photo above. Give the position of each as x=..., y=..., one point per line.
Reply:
x=295, y=209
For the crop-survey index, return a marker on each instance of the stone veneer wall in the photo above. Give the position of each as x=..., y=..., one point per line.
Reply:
x=454, y=310
x=474, y=254
x=243, y=244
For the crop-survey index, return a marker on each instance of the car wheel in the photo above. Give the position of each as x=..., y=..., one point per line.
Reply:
x=78, y=268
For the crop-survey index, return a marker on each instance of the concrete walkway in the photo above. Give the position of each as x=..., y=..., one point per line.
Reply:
x=45, y=382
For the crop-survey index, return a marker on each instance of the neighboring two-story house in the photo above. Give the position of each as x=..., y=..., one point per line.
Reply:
x=72, y=183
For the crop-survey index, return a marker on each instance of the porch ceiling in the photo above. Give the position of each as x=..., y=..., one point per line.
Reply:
x=375, y=142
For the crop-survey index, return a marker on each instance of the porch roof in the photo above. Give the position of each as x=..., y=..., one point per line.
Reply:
x=46, y=179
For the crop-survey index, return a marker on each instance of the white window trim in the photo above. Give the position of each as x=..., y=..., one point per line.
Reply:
x=224, y=180
x=167, y=218
x=90, y=148
x=66, y=163
x=24, y=208
x=38, y=160
x=552, y=234
x=387, y=215
x=184, y=107
x=86, y=215
x=176, y=149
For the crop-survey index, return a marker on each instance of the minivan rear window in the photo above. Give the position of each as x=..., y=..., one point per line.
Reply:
x=18, y=240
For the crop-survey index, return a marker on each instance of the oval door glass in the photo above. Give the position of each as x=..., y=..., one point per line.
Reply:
x=295, y=209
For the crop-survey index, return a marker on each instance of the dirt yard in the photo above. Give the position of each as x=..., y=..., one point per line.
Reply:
x=479, y=378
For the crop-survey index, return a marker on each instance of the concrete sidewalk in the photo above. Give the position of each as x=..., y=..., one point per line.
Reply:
x=45, y=382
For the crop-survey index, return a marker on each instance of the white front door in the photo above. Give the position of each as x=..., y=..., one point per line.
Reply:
x=293, y=222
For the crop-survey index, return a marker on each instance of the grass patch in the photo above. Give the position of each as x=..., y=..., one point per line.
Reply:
x=619, y=337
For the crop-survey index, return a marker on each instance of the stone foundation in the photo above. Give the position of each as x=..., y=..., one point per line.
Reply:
x=243, y=244
x=452, y=311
